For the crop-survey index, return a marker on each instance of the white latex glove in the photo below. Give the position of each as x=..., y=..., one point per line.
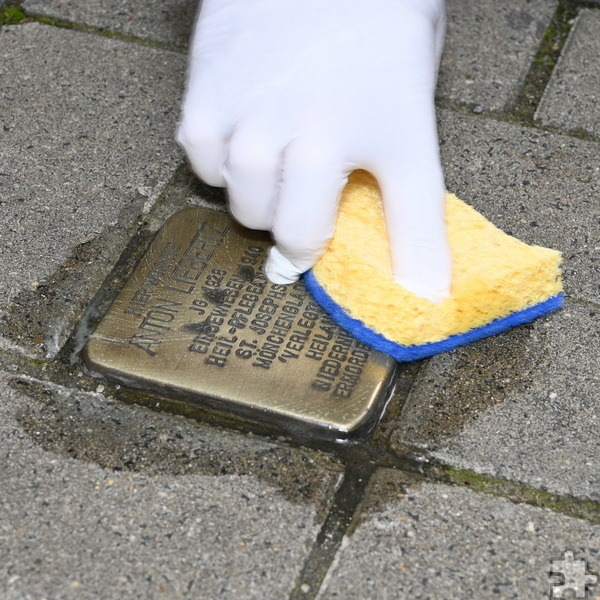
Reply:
x=286, y=98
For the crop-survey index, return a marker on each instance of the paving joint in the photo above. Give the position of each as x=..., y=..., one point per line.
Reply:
x=416, y=462
x=498, y=116
x=14, y=14
x=518, y=493
x=542, y=66
x=11, y=14
x=114, y=35
x=343, y=513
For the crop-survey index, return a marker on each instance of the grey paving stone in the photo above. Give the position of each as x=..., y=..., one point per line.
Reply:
x=522, y=406
x=86, y=145
x=167, y=21
x=436, y=541
x=103, y=500
x=489, y=49
x=572, y=99
x=540, y=187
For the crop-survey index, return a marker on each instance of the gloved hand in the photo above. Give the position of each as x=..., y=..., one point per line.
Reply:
x=285, y=99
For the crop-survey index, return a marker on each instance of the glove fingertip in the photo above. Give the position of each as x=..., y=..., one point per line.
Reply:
x=279, y=269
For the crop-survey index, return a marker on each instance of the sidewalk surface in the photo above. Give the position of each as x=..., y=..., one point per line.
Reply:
x=485, y=467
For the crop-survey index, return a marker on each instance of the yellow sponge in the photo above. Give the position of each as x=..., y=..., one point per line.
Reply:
x=497, y=282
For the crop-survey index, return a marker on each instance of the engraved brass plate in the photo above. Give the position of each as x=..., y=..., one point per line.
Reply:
x=199, y=320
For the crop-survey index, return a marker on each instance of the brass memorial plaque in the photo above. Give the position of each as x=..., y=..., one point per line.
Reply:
x=199, y=320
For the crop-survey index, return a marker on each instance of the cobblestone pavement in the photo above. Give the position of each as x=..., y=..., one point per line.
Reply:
x=485, y=466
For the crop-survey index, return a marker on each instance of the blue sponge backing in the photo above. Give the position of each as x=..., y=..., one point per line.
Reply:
x=412, y=353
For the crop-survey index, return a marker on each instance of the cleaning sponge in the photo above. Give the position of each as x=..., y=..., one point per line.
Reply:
x=498, y=282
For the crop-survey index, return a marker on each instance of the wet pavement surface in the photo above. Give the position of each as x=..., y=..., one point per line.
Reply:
x=484, y=468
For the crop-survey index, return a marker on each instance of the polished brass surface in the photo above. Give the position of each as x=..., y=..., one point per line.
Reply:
x=199, y=320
